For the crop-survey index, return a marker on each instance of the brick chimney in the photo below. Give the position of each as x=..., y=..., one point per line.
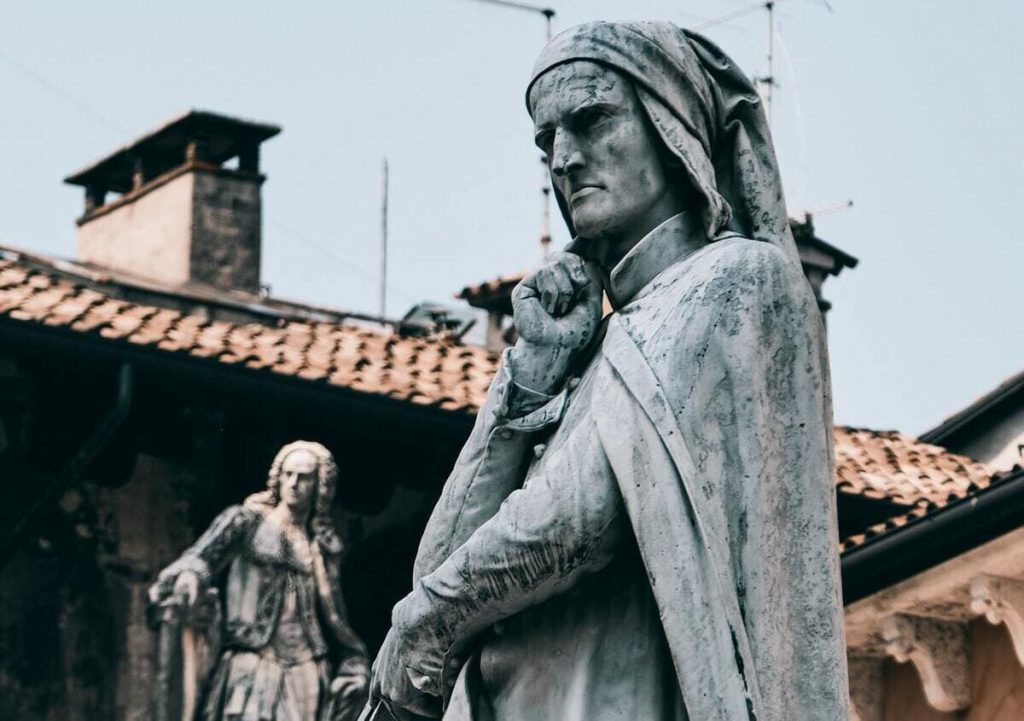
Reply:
x=180, y=216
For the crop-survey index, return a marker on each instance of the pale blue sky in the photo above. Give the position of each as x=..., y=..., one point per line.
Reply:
x=913, y=109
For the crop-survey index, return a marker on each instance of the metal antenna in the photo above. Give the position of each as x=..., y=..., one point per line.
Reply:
x=547, y=12
x=769, y=79
x=384, y=241
x=545, y=183
x=829, y=209
x=766, y=81
x=545, y=189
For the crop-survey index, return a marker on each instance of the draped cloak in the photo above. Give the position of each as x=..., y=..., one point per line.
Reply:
x=714, y=411
x=731, y=500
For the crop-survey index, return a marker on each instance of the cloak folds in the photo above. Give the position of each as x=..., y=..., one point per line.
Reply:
x=725, y=471
x=710, y=398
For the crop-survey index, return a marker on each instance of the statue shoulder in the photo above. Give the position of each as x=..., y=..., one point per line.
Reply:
x=744, y=257
x=761, y=272
x=236, y=519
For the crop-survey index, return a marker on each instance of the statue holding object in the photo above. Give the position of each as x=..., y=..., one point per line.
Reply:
x=283, y=610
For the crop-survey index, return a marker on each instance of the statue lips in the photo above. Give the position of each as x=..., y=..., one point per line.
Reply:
x=582, y=192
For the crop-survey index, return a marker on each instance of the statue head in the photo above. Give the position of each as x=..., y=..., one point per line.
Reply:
x=606, y=160
x=666, y=121
x=297, y=480
x=303, y=475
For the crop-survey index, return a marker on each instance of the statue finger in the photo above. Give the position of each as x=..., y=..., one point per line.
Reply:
x=526, y=288
x=530, y=319
x=566, y=291
x=548, y=289
x=573, y=265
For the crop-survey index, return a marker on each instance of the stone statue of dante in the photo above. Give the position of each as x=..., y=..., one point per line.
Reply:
x=642, y=524
x=284, y=613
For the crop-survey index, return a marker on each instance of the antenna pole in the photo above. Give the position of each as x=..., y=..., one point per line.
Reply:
x=769, y=79
x=384, y=241
x=545, y=189
x=545, y=184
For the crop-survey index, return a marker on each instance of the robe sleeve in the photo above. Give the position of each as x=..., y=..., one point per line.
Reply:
x=539, y=542
x=211, y=551
x=490, y=466
x=778, y=490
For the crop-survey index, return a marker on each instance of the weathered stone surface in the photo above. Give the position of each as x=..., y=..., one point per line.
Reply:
x=283, y=608
x=641, y=524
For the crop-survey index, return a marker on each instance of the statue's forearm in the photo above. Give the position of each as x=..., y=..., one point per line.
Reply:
x=545, y=537
x=490, y=466
x=210, y=552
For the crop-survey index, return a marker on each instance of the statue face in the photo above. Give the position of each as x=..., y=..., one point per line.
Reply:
x=604, y=156
x=298, y=479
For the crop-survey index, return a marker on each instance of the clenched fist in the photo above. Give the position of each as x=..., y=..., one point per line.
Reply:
x=557, y=310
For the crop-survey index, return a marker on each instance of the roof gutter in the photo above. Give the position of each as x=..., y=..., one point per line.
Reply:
x=968, y=415
x=939, y=536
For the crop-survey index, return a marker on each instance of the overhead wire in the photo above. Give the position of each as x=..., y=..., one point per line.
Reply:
x=55, y=89
x=798, y=110
x=85, y=107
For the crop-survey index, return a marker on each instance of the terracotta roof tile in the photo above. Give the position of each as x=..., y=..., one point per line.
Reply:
x=211, y=342
x=904, y=470
x=41, y=304
x=156, y=327
x=183, y=334
x=342, y=354
x=98, y=315
x=129, y=320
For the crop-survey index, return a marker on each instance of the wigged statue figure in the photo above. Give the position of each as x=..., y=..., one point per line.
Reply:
x=285, y=627
x=641, y=525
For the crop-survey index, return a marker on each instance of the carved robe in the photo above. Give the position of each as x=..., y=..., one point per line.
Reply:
x=279, y=600
x=672, y=548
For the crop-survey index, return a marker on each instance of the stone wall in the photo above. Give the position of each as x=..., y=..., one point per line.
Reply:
x=73, y=635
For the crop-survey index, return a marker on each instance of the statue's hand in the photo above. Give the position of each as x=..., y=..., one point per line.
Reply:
x=405, y=690
x=186, y=588
x=557, y=310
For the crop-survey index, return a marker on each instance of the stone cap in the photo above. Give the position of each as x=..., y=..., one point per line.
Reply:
x=196, y=135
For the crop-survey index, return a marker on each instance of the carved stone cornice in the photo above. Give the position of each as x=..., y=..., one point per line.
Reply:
x=866, y=689
x=939, y=650
x=1001, y=600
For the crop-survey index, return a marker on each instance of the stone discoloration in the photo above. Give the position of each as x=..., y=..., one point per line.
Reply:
x=687, y=457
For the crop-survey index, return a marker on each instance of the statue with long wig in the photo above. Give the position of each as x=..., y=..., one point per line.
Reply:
x=279, y=647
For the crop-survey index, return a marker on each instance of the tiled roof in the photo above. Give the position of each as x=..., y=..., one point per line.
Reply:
x=893, y=466
x=919, y=511
x=496, y=289
x=429, y=371
x=434, y=372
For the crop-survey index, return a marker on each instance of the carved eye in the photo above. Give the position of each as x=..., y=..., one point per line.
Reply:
x=587, y=117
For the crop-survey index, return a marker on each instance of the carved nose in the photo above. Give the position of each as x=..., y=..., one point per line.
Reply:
x=568, y=164
x=565, y=154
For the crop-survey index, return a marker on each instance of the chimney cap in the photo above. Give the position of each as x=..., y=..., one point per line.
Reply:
x=165, y=147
